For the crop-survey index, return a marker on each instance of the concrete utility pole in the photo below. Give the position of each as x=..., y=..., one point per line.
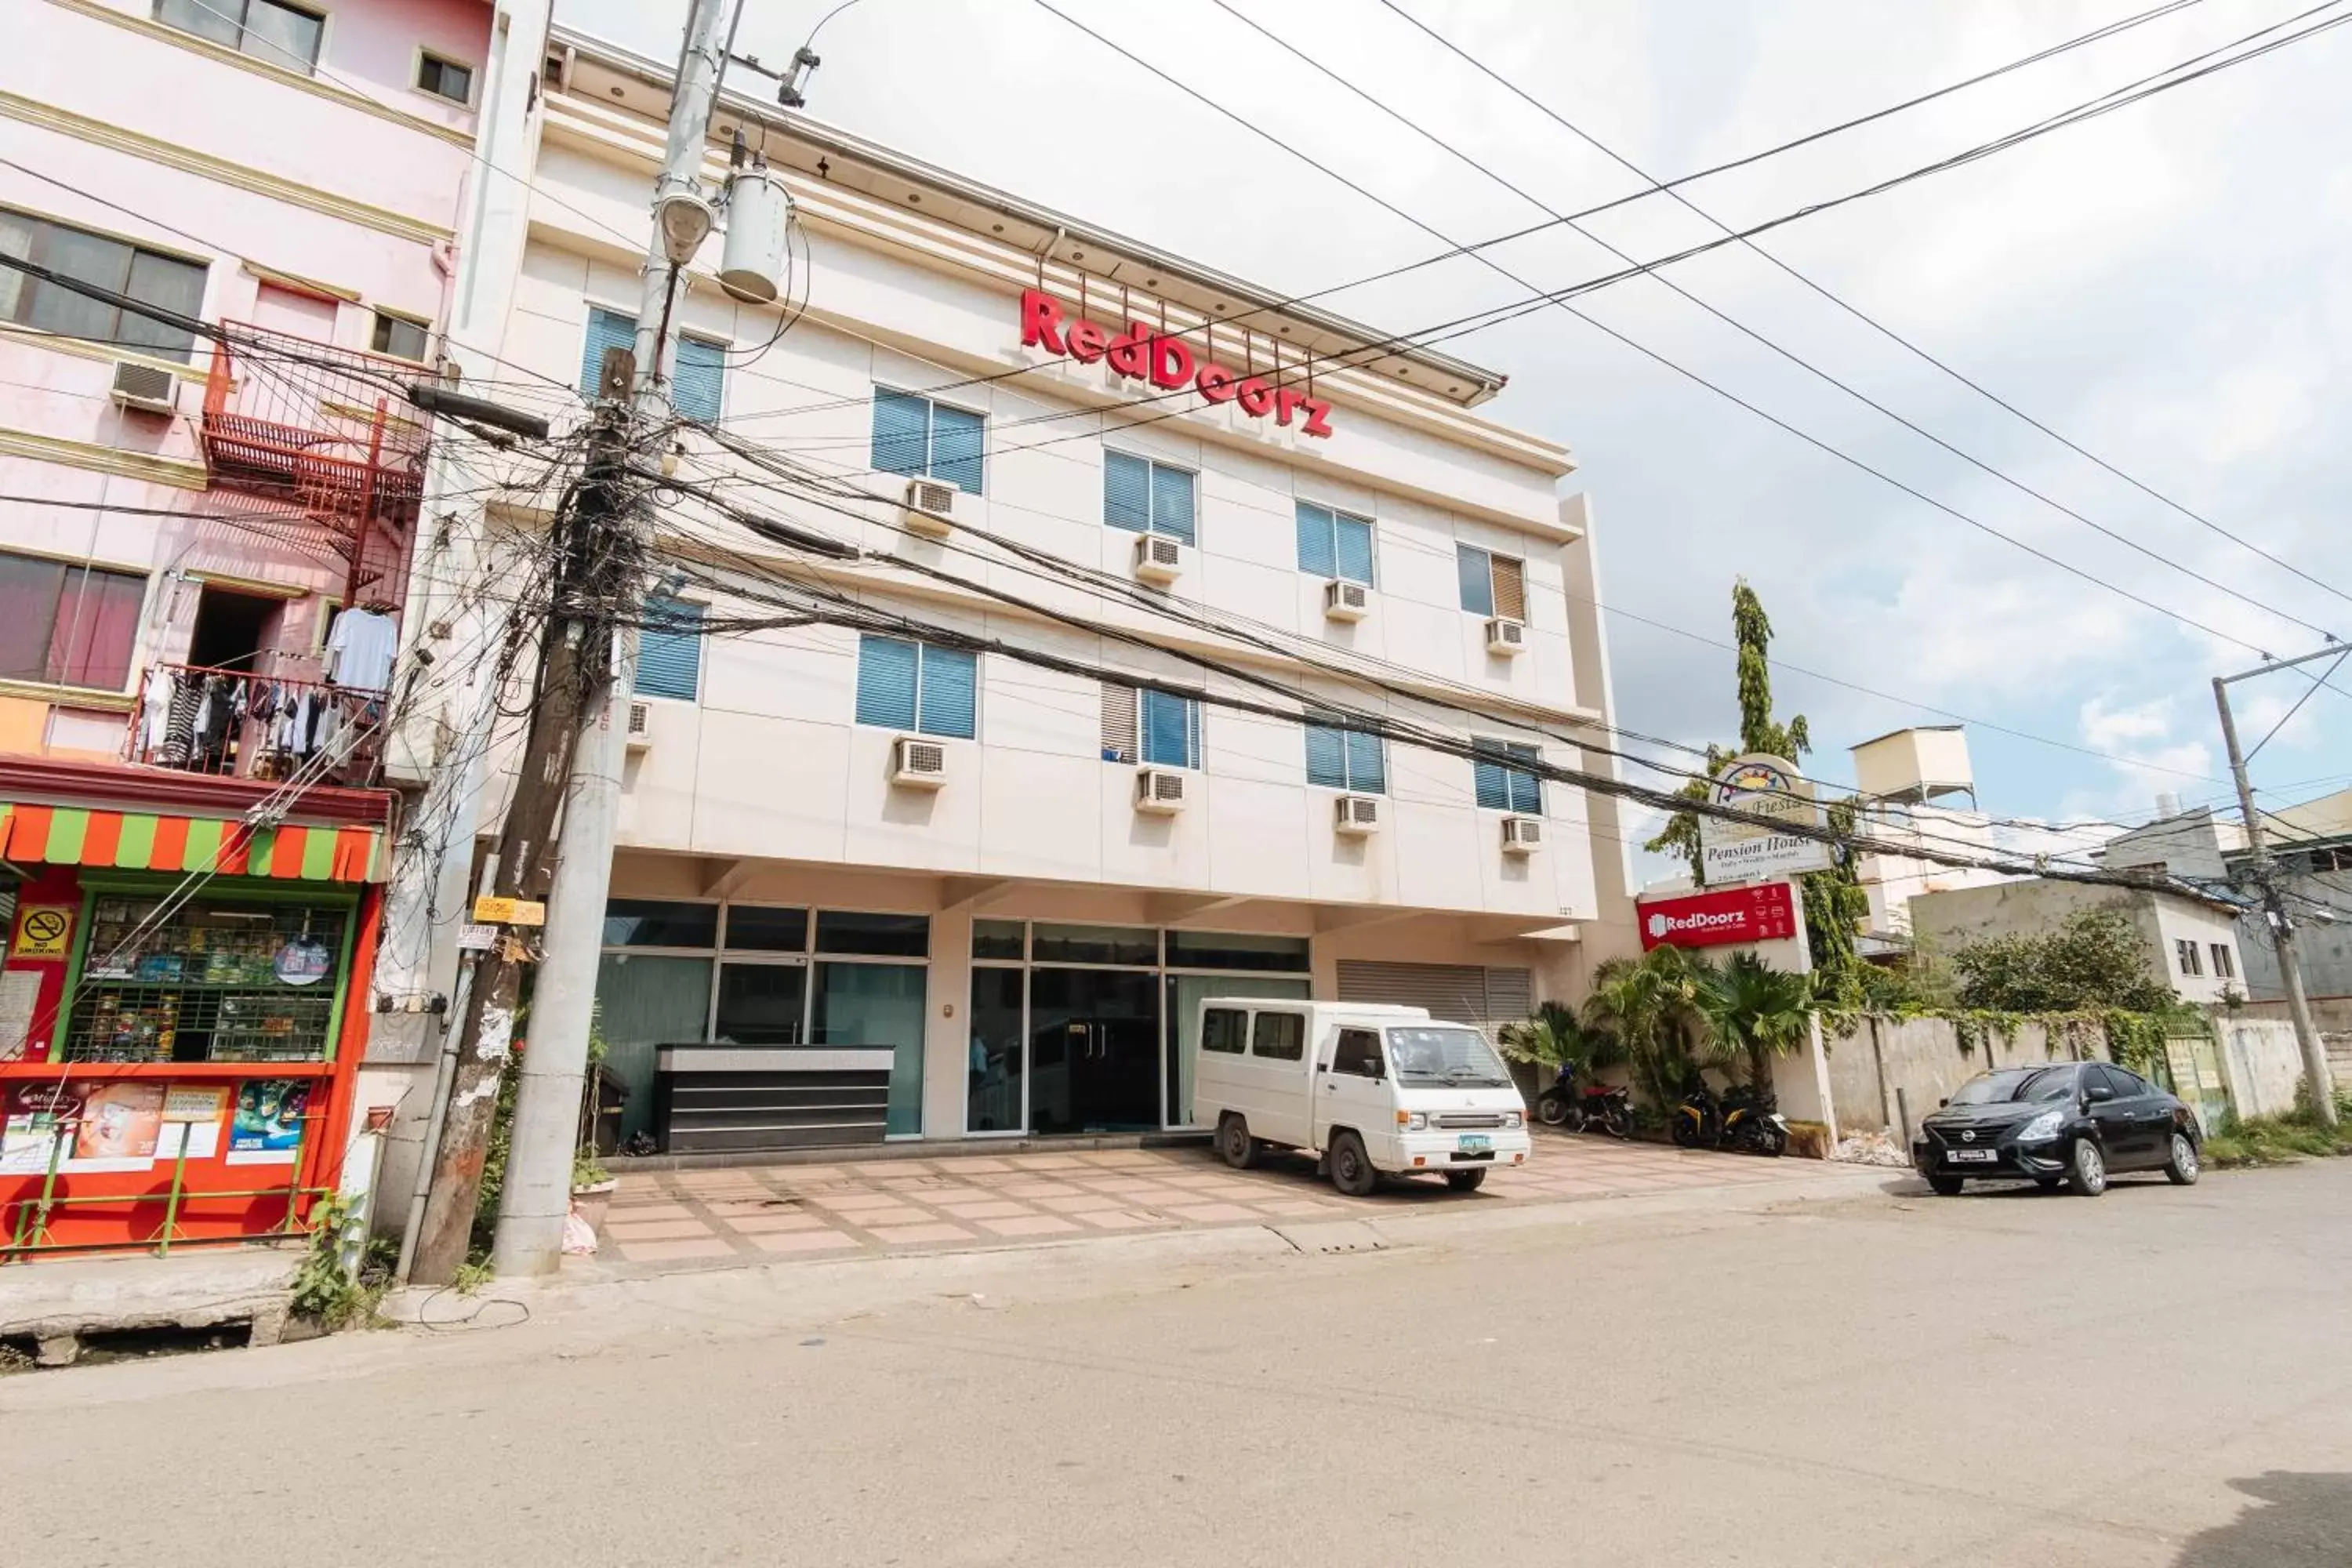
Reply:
x=2265, y=875
x=537, y=1196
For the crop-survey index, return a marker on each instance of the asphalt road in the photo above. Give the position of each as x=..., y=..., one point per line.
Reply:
x=2159, y=1376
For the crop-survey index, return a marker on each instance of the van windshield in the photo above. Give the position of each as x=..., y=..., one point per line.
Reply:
x=1456, y=1058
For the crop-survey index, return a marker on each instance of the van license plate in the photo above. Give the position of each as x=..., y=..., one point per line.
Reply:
x=1473, y=1143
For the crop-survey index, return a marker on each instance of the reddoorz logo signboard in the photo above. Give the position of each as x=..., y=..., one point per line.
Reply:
x=1762, y=913
x=1167, y=361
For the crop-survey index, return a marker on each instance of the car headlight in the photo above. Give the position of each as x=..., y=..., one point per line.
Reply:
x=2045, y=1125
x=1514, y=1119
x=1417, y=1122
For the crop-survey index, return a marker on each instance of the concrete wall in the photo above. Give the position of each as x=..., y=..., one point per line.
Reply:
x=2262, y=1063
x=1923, y=1058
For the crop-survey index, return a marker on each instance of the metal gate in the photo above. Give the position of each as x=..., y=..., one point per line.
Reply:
x=1460, y=993
x=2193, y=1064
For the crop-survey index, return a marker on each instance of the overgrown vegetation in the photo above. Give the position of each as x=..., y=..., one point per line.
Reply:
x=2095, y=960
x=2281, y=1140
x=1836, y=904
x=585, y=1171
x=329, y=1291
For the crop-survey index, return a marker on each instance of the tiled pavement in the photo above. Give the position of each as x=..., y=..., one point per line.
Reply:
x=666, y=1220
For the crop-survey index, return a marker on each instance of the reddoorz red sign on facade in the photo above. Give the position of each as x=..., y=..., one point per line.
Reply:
x=1762, y=913
x=1165, y=360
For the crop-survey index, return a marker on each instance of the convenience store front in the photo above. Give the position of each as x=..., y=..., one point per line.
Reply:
x=180, y=1018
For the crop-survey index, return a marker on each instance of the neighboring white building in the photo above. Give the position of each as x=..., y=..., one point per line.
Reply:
x=1904, y=781
x=2189, y=945
x=1027, y=940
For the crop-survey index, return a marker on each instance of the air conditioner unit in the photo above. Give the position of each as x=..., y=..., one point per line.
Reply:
x=1159, y=559
x=641, y=729
x=917, y=763
x=930, y=507
x=1507, y=638
x=1160, y=791
x=1522, y=834
x=146, y=388
x=1356, y=814
x=1345, y=601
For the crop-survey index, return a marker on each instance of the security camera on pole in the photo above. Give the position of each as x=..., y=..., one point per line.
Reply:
x=537, y=1196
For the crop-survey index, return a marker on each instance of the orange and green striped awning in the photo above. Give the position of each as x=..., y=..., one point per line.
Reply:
x=140, y=841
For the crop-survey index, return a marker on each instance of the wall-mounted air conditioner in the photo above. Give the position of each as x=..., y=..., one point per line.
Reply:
x=1356, y=816
x=917, y=763
x=1346, y=601
x=146, y=388
x=930, y=507
x=641, y=729
x=1522, y=834
x=1159, y=559
x=1506, y=638
x=1160, y=791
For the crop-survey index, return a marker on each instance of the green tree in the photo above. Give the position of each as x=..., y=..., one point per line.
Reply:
x=1836, y=904
x=2096, y=958
x=1651, y=1006
x=1556, y=1037
x=1755, y=1013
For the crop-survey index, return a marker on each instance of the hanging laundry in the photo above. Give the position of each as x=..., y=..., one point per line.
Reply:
x=363, y=644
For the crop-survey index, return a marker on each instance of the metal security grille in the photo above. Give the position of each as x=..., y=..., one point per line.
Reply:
x=1460, y=994
x=212, y=982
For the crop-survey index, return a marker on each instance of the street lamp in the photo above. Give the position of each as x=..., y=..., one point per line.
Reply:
x=686, y=221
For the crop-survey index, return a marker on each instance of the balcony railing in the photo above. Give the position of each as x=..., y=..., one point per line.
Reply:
x=327, y=430
x=232, y=723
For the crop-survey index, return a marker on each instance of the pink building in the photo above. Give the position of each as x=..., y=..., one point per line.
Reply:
x=183, y=522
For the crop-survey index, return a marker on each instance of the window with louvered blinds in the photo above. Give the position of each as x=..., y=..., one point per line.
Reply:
x=606, y=329
x=913, y=435
x=1346, y=759
x=670, y=649
x=912, y=686
x=1333, y=544
x=1505, y=788
x=1145, y=496
x=696, y=381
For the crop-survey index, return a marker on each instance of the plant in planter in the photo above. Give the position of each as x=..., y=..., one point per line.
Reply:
x=592, y=1184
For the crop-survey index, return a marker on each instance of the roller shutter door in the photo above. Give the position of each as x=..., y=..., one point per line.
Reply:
x=1461, y=993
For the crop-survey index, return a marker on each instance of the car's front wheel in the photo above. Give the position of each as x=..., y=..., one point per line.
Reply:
x=1945, y=1187
x=1352, y=1169
x=2181, y=1169
x=1234, y=1142
x=1465, y=1180
x=2086, y=1169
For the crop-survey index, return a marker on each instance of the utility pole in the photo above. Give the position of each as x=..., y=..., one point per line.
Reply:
x=537, y=1195
x=2265, y=875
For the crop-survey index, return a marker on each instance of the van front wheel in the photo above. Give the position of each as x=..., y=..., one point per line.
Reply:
x=1234, y=1142
x=1351, y=1168
x=1465, y=1180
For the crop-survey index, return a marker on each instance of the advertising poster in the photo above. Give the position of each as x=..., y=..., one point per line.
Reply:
x=32, y=1117
x=119, y=1125
x=268, y=1126
x=192, y=1119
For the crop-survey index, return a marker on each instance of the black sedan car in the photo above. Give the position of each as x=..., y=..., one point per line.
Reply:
x=2066, y=1121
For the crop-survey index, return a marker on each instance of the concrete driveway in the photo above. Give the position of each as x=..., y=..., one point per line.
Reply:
x=663, y=1221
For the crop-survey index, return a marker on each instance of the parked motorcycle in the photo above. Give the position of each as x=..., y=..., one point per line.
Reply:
x=1585, y=1108
x=1742, y=1119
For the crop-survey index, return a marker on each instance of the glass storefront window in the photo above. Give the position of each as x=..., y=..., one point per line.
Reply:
x=760, y=1004
x=1227, y=950
x=755, y=928
x=210, y=979
x=655, y=923
x=996, y=938
x=643, y=1002
x=1185, y=994
x=878, y=1004
x=1094, y=945
x=880, y=936
x=994, y=1095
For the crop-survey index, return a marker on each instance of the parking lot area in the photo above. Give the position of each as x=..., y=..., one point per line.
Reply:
x=665, y=1220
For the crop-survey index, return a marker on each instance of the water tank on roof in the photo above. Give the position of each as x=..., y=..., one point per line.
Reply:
x=1915, y=764
x=753, y=266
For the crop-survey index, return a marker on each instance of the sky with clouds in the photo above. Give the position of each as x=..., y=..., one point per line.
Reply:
x=2165, y=286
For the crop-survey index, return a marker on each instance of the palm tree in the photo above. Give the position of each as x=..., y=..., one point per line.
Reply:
x=1757, y=1013
x=1556, y=1037
x=1651, y=1005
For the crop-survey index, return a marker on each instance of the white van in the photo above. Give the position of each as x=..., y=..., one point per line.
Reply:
x=1372, y=1090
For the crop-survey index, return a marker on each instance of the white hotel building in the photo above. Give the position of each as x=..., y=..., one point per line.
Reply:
x=1025, y=939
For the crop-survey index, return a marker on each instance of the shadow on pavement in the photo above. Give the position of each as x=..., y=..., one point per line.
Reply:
x=2298, y=1522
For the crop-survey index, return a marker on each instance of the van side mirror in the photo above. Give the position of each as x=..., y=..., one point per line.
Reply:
x=1941, y=1103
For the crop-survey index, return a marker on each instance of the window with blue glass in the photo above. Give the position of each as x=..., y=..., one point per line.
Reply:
x=698, y=379
x=1501, y=786
x=1492, y=584
x=913, y=686
x=1145, y=496
x=1342, y=758
x=1169, y=729
x=670, y=649
x=1333, y=544
x=918, y=438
